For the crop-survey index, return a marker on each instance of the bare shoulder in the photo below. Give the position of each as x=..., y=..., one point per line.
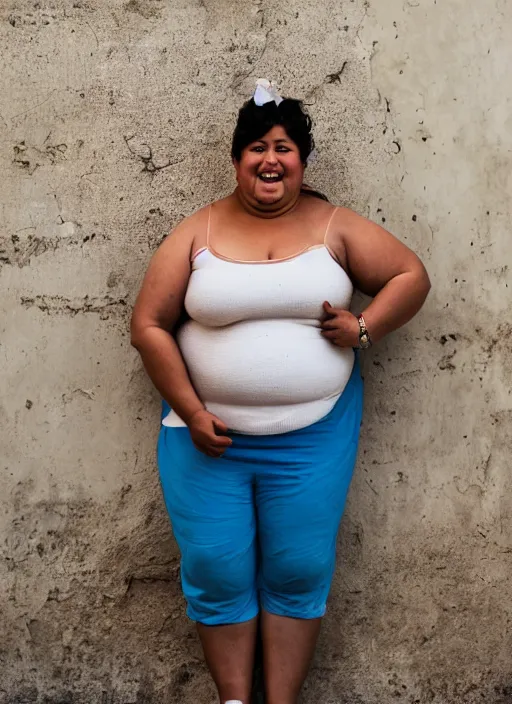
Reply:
x=318, y=211
x=165, y=282
x=349, y=225
x=188, y=231
x=313, y=203
x=351, y=235
x=346, y=219
x=373, y=255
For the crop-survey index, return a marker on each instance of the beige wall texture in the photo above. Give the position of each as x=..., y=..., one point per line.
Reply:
x=115, y=122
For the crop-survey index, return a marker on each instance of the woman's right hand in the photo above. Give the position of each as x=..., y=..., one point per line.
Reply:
x=209, y=433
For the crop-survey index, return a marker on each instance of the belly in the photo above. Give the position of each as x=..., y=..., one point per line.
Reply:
x=264, y=363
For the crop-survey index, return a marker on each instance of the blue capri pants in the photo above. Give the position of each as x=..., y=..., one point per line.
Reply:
x=257, y=528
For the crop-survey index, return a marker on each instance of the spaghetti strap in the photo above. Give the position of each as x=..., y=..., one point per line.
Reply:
x=208, y=227
x=328, y=225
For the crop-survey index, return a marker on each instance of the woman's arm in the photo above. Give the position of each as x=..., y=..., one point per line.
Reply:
x=382, y=267
x=155, y=315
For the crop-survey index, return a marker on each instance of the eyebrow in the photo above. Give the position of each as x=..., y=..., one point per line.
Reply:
x=262, y=141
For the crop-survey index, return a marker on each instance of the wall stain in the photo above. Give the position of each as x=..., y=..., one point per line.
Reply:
x=106, y=306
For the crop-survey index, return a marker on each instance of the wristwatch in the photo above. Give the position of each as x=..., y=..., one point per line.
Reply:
x=364, y=336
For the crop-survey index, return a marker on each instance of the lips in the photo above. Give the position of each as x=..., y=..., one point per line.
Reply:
x=270, y=176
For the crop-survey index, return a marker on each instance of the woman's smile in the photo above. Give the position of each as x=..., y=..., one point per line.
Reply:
x=270, y=170
x=271, y=176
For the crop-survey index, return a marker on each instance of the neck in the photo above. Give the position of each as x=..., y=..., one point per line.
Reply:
x=261, y=210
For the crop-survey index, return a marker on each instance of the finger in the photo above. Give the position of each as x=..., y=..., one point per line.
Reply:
x=205, y=450
x=329, y=324
x=220, y=426
x=328, y=308
x=209, y=439
x=330, y=334
x=221, y=441
x=213, y=452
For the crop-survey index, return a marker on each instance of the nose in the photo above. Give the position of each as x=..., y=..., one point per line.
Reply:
x=271, y=157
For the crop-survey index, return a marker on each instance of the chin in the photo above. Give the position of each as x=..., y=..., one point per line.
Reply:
x=269, y=198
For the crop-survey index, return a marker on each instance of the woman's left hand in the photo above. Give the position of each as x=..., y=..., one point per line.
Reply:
x=341, y=327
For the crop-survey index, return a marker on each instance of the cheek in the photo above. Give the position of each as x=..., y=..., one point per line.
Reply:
x=295, y=168
x=247, y=168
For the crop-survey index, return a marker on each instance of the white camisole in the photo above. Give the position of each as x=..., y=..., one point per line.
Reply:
x=253, y=346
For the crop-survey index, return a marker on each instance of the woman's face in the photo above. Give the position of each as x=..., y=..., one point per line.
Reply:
x=270, y=171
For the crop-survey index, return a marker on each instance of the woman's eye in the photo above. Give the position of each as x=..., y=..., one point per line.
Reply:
x=261, y=149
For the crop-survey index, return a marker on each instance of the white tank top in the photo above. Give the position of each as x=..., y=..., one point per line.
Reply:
x=253, y=345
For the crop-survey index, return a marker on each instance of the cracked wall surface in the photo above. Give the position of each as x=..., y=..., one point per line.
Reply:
x=115, y=122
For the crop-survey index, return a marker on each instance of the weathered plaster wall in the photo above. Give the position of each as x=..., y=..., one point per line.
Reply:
x=115, y=119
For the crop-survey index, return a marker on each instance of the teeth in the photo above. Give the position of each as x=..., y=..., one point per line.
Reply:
x=270, y=175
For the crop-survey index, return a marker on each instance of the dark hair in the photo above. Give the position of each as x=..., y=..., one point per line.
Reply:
x=254, y=121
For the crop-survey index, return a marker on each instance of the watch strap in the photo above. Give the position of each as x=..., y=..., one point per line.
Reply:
x=365, y=340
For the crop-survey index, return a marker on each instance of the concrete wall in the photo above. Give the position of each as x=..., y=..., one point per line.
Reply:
x=115, y=119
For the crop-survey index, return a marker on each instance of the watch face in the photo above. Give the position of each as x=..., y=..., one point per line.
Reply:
x=364, y=341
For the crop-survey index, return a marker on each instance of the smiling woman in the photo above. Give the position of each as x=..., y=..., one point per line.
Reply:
x=271, y=168
x=289, y=135
x=257, y=453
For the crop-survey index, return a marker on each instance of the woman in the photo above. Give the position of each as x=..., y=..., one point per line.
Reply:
x=257, y=453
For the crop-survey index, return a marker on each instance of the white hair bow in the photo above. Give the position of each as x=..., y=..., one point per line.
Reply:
x=266, y=93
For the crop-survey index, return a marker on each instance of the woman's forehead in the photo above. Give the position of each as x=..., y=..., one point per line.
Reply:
x=276, y=134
